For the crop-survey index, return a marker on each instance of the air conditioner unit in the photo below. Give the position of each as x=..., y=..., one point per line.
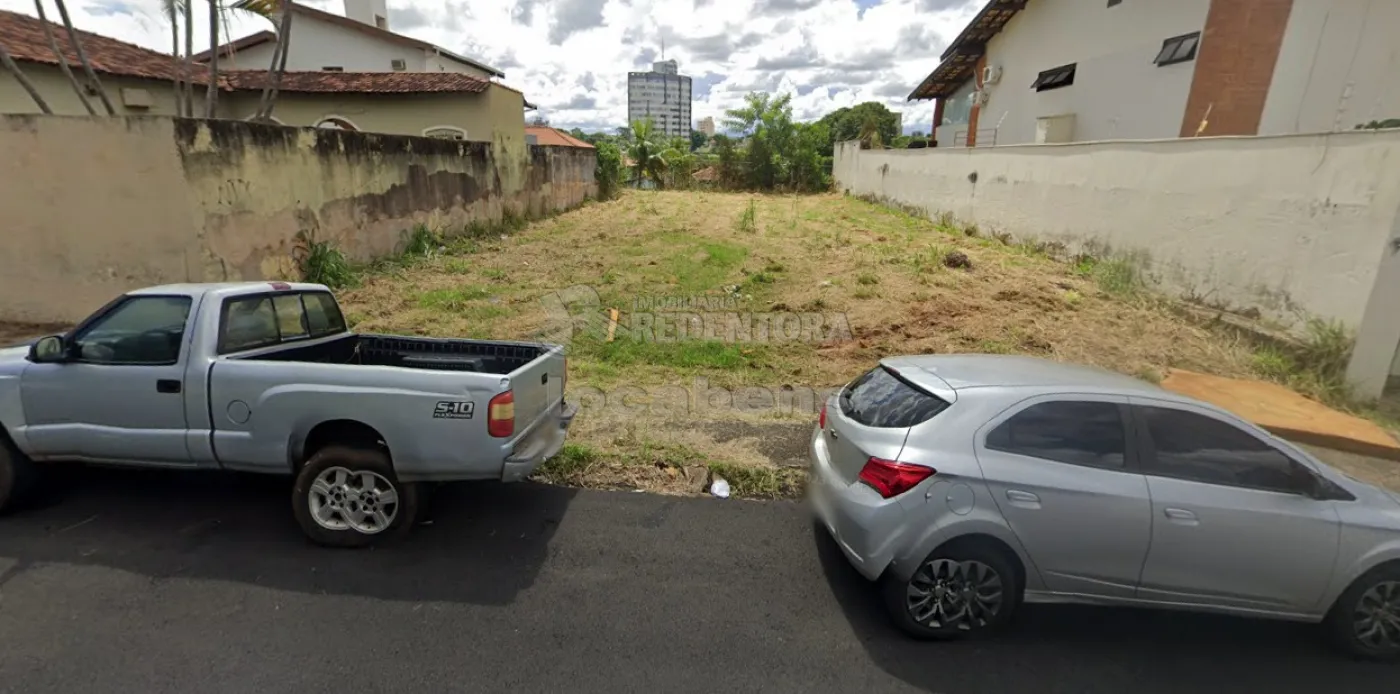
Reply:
x=979, y=98
x=399, y=64
x=991, y=74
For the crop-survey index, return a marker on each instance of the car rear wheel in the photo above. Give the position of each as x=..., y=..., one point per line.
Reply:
x=962, y=591
x=18, y=476
x=1365, y=621
x=350, y=497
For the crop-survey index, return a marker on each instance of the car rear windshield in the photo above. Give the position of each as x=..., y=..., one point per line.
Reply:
x=881, y=398
x=262, y=320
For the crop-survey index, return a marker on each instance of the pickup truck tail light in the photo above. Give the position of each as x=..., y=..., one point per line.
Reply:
x=500, y=415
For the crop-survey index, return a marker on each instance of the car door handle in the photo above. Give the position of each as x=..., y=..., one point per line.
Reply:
x=1023, y=499
x=166, y=385
x=1181, y=515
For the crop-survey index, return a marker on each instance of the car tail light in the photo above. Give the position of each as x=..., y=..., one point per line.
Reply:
x=890, y=478
x=821, y=421
x=500, y=415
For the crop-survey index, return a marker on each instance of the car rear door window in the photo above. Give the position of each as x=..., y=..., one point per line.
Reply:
x=1065, y=431
x=1195, y=447
x=881, y=399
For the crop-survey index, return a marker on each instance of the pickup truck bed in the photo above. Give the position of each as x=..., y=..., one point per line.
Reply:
x=412, y=352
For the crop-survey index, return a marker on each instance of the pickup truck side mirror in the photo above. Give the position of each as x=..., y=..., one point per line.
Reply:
x=48, y=350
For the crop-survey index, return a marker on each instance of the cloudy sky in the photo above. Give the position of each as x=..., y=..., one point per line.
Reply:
x=572, y=56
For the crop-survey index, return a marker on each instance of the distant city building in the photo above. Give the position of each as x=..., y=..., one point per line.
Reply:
x=898, y=122
x=707, y=126
x=663, y=94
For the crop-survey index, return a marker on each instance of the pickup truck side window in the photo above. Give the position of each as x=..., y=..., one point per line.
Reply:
x=248, y=323
x=291, y=318
x=142, y=330
x=323, y=314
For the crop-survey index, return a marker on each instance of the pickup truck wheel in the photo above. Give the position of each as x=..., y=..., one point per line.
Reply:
x=350, y=497
x=18, y=475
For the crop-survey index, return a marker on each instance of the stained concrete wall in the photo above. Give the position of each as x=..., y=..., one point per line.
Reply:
x=97, y=206
x=1290, y=226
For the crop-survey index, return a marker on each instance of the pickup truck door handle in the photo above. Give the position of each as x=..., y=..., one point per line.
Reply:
x=544, y=378
x=167, y=385
x=1181, y=516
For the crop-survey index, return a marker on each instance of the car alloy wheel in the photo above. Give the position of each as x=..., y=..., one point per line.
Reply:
x=950, y=594
x=361, y=500
x=1376, y=618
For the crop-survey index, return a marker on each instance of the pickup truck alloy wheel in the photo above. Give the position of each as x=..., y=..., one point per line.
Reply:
x=359, y=500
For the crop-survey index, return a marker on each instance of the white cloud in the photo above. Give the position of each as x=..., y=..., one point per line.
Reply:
x=572, y=56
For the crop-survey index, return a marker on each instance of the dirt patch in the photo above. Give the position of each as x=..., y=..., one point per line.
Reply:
x=879, y=274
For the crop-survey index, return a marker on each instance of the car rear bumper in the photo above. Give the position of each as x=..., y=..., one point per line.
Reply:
x=865, y=526
x=542, y=444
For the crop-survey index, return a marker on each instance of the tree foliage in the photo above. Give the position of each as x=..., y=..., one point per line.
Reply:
x=871, y=123
x=609, y=170
x=775, y=153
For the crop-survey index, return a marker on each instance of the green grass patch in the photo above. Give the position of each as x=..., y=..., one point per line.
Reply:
x=571, y=465
x=705, y=266
x=453, y=299
x=326, y=264
x=1116, y=276
x=760, y=482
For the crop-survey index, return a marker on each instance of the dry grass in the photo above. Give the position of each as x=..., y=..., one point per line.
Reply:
x=883, y=269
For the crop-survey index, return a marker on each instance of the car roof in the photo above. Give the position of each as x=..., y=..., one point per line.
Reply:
x=963, y=371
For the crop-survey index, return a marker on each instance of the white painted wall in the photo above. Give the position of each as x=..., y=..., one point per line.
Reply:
x=442, y=63
x=1118, y=92
x=317, y=44
x=1339, y=66
x=1291, y=225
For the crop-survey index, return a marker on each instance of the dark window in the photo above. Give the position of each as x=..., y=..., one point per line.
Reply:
x=259, y=321
x=1178, y=49
x=248, y=322
x=333, y=68
x=881, y=399
x=142, y=330
x=1075, y=432
x=1204, y=449
x=323, y=315
x=1111, y=3
x=1054, y=78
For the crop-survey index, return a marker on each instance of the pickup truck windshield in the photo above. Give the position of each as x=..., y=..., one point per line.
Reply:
x=263, y=320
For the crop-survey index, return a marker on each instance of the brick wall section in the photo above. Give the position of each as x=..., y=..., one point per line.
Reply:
x=1234, y=66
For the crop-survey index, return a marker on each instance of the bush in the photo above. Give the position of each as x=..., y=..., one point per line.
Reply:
x=609, y=171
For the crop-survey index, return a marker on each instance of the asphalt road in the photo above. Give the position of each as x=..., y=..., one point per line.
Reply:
x=149, y=582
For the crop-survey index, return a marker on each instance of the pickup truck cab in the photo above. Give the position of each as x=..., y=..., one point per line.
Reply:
x=265, y=377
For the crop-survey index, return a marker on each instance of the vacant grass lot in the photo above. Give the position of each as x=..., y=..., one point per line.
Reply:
x=667, y=414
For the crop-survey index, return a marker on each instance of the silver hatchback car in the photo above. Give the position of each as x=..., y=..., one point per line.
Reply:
x=968, y=484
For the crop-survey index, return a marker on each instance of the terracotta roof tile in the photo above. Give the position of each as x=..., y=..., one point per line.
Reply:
x=553, y=137
x=23, y=36
x=360, y=82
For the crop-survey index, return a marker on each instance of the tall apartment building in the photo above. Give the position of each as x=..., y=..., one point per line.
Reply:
x=663, y=94
x=707, y=126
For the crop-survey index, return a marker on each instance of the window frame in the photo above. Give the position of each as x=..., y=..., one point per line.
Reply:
x=70, y=340
x=1057, y=77
x=1174, y=43
x=219, y=338
x=1130, y=448
x=1147, y=449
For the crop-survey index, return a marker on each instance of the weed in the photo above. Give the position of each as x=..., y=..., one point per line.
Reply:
x=994, y=347
x=1004, y=237
x=513, y=221
x=324, y=263
x=773, y=266
x=1273, y=363
x=571, y=465
x=681, y=353
x=1072, y=297
x=761, y=278
x=421, y=242
x=1116, y=275
x=1150, y=375
x=972, y=230
x=867, y=278
x=748, y=219
x=865, y=294
x=492, y=273
x=758, y=482
x=1315, y=366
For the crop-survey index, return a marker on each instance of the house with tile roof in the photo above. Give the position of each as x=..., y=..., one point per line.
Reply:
x=359, y=41
x=546, y=136
x=449, y=104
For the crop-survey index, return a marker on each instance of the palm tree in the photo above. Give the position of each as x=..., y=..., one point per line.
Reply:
x=647, y=152
x=8, y=63
x=870, y=132
x=83, y=59
x=172, y=12
x=211, y=92
x=62, y=59
x=187, y=65
x=279, y=53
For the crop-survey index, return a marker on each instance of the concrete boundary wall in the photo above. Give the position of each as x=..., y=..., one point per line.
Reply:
x=93, y=207
x=1290, y=226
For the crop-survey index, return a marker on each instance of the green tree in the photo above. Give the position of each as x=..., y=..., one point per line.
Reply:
x=697, y=140
x=609, y=170
x=864, y=122
x=647, y=150
x=777, y=153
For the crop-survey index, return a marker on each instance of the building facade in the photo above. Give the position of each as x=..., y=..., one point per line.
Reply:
x=663, y=95
x=707, y=126
x=1044, y=71
x=359, y=41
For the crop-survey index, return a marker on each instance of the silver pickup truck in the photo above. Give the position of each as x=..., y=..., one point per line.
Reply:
x=265, y=377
